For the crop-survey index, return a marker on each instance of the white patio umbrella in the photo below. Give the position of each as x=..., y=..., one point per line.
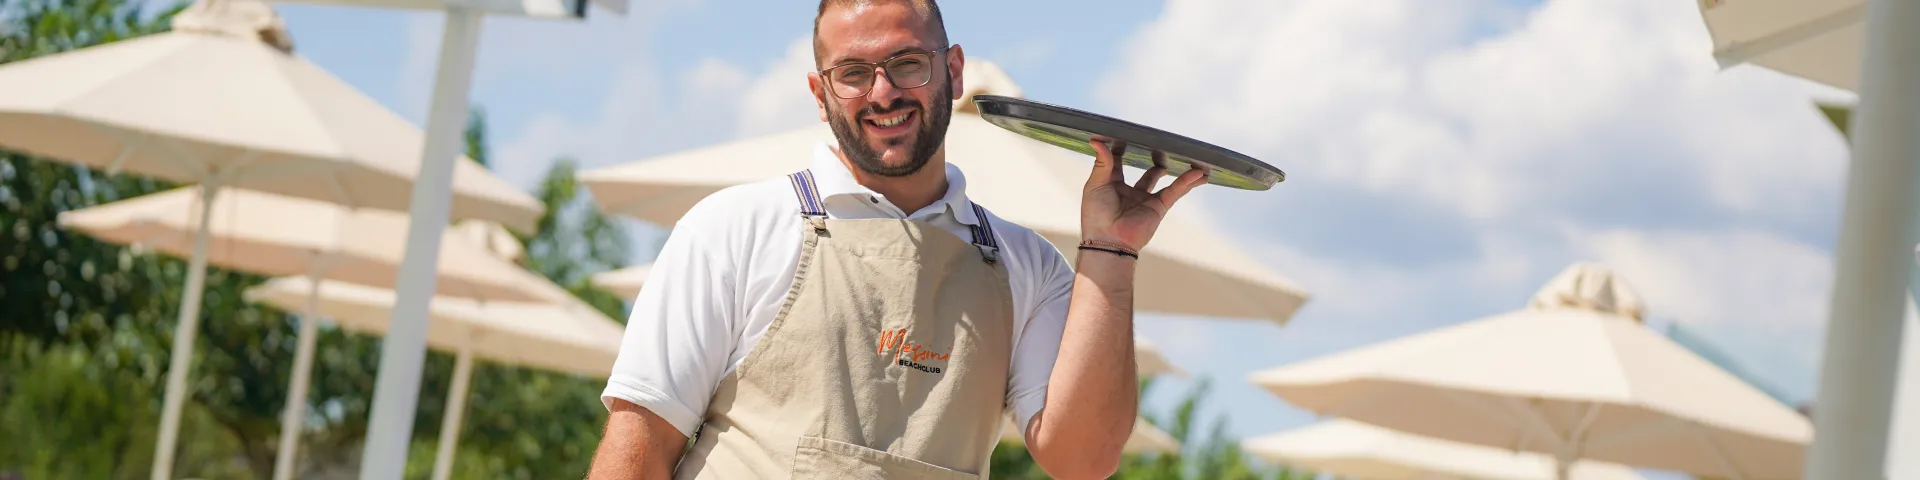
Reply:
x=1819, y=40
x=565, y=336
x=1574, y=375
x=1867, y=47
x=403, y=354
x=1150, y=362
x=278, y=235
x=624, y=282
x=222, y=102
x=1187, y=269
x=1351, y=449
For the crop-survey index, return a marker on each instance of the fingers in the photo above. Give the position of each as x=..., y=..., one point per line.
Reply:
x=1145, y=184
x=1107, y=155
x=1186, y=182
x=1104, y=166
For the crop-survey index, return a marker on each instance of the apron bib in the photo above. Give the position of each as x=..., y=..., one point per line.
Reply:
x=889, y=359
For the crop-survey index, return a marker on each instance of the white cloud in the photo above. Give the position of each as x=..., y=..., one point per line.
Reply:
x=634, y=116
x=1760, y=295
x=1749, y=279
x=642, y=114
x=778, y=100
x=1445, y=157
x=1433, y=102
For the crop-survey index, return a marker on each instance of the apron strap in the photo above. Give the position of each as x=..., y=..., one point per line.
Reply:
x=983, y=235
x=807, y=193
x=810, y=205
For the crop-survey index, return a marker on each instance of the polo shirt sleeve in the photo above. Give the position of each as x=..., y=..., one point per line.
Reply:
x=681, y=331
x=1040, y=300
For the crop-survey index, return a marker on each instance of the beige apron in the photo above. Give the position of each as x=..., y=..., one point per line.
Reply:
x=888, y=360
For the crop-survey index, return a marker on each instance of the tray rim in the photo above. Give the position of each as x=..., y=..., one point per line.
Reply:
x=1253, y=169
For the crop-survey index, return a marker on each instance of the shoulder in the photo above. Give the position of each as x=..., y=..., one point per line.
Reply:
x=740, y=210
x=1030, y=256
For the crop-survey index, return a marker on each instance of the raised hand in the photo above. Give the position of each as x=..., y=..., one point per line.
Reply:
x=1118, y=214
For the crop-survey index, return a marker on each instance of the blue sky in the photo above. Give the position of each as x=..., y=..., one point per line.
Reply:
x=1445, y=157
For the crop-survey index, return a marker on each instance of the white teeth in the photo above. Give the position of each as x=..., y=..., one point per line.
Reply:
x=888, y=122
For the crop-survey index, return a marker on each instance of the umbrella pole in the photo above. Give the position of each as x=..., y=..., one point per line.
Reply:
x=184, y=332
x=290, y=423
x=1873, y=258
x=397, y=391
x=456, y=408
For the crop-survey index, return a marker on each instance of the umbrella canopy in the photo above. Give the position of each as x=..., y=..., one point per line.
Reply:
x=278, y=235
x=271, y=234
x=1820, y=40
x=1145, y=438
x=222, y=99
x=624, y=282
x=1150, y=362
x=491, y=236
x=1186, y=270
x=564, y=336
x=1357, y=450
x=1575, y=375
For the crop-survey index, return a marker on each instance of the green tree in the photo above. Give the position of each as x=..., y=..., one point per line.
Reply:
x=523, y=422
x=476, y=137
x=575, y=239
x=66, y=292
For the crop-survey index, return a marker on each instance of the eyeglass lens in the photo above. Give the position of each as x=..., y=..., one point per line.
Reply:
x=906, y=71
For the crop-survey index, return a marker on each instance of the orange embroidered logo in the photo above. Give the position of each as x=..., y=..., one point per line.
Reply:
x=909, y=354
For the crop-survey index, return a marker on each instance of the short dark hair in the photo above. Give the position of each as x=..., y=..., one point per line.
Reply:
x=929, y=9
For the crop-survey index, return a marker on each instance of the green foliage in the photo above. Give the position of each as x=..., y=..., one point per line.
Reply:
x=36, y=28
x=86, y=327
x=90, y=418
x=476, y=137
x=61, y=288
x=575, y=239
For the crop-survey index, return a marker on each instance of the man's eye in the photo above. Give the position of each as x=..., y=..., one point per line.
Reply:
x=855, y=74
x=910, y=65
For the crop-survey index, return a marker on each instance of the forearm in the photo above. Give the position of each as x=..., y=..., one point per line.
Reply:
x=636, y=445
x=1093, y=391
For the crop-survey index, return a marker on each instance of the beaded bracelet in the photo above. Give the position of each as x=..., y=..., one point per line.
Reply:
x=1109, y=248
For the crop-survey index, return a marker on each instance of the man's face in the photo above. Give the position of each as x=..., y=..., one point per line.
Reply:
x=889, y=130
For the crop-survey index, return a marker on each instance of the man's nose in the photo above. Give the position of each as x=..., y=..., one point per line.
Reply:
x=884, y=92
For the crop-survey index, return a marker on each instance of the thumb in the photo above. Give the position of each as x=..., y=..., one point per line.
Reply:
x=1106, y=161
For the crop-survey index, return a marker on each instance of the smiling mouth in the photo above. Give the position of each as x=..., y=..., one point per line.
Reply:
x=890, y=122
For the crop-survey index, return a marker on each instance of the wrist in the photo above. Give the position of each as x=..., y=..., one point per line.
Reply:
x=1105, y=265
x=1123, y=251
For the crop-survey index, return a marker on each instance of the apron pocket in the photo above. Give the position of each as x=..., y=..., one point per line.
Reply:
x=819, y=458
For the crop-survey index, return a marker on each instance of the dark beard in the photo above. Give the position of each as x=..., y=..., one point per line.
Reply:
x=926, y=141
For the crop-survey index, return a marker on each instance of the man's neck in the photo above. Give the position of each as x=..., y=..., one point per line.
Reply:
x=912, y=192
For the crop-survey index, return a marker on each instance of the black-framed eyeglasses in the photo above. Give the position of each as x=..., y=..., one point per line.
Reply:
x=904, y=71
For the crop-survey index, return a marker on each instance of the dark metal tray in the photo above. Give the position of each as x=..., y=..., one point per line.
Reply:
x=1071, y=129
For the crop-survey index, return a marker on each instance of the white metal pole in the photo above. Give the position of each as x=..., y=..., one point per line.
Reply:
x=456, y=410
x=397, y=392
x=295, y=415
x=1874, y=254
x=184, y=332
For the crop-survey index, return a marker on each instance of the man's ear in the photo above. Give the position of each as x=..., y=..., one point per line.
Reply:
x=819, y=87
x=956, y=64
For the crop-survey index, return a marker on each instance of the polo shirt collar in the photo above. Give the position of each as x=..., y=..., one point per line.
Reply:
x=832, y=178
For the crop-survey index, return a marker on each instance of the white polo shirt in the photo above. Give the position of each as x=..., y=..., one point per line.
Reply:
x=726, y=268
